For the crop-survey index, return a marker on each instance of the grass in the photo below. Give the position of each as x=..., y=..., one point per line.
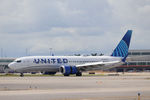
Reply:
x=41, y=75
x=84, y=75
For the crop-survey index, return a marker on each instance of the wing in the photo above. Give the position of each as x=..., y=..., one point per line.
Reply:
x=99, y=65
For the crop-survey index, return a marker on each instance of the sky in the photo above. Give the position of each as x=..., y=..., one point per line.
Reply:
x=67, y=27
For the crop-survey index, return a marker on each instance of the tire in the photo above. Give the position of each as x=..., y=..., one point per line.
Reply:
x=79, y=74
x=21, y=75
x=49, y=73
x=66, y=74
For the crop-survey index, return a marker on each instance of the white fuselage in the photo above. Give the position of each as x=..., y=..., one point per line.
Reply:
x=68, y=65
x=53, y=63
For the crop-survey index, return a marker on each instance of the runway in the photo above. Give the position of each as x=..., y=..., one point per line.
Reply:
x=75, y=88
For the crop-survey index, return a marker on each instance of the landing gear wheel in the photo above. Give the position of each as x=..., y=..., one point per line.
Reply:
x=66, y=74
x=79, y=74
x=21, y=75
x=49, y=73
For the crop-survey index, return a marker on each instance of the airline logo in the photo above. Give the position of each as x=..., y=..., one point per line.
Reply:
x=121, y=50
x=50, y=61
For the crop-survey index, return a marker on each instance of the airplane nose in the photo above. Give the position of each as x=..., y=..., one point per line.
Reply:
x=11, y=66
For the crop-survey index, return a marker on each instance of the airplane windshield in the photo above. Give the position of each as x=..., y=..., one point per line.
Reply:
x=18, y=61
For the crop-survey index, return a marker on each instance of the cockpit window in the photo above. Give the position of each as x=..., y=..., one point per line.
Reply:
x=18, y=61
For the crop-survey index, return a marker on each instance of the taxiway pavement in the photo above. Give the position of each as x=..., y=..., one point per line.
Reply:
x=75, y=88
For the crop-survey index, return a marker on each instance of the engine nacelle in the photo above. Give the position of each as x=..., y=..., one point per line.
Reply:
x=67, y=70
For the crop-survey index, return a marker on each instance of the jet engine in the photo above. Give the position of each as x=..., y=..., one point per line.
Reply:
x=67, y=70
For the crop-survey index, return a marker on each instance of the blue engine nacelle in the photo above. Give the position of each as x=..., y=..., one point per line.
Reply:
x=67, y=70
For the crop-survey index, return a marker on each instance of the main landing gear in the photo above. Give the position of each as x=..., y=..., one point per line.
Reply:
x=21, y=75
x=79, y=74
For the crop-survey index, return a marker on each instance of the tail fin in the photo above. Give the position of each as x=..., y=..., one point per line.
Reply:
x=122, y=49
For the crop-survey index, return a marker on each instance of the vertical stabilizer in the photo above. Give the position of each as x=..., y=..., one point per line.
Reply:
x=122, y=49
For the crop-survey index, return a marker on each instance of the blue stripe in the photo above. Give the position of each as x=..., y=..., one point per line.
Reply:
x=120, y=49
x=123, y=51
x=117, y=52
x=125, y=48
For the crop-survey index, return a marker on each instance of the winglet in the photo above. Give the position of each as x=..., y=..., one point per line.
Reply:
x=122, y=49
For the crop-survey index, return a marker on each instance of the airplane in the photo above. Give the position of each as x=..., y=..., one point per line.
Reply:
x=69, y=65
